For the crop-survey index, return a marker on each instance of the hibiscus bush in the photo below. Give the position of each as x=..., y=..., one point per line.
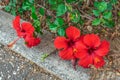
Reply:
x=78, y=26
x=71, y=10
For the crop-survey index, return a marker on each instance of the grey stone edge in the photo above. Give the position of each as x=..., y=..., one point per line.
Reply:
x=53, y=64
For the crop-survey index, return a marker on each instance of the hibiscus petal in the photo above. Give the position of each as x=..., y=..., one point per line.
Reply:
x=80, y=45
x=27, y=27
x=20, y=34
x=60, y=42
x=81, y=54
x=92, y=40
x=16, y=23
x=103, y=49
x=98, y=61
x=32, y=41
x=86, y=62
x=66, y=54
x=81, y=49
x=72, y=32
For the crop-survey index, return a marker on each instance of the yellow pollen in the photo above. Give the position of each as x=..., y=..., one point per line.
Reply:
x=74, y=50
x=97, y=60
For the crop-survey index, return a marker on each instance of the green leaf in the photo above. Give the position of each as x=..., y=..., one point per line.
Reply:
x=61, y=31
x=60, y=1
x=102, y=6
x=69, y=7
x=44, y=56
x=42, y=11
x=10, y=3
x=7, y=8
x=109, y=24
x=81, y=22
x=96, y=22
x=20, y=10
x=28, y=3
x=113, y=1
x=70, y=1
x=109, y=7
x=96, y=4
x=13, y=4
x=59, y=22
x=75, y=16
x=14, y=1
x=54, y=7
x=36, y=24
x=52, y=2
x=119, y=13
x=96, y=12
x=34, y=16
x=53, y=27
x=33, y=10
x=13, y=12
x=26, y=7
x=31, y=1
x=61, y=9
x=107, y=15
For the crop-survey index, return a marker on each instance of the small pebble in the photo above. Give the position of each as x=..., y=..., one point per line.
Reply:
x=14, y=73
x=0, y=78
x=89, y=28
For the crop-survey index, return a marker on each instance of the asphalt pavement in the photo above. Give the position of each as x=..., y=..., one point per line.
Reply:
x=15, y=67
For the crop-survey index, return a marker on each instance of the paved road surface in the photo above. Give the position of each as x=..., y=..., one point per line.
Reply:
x=15, y=67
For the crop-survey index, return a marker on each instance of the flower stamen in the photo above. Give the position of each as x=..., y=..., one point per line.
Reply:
x=75, y=50
x=97, y=60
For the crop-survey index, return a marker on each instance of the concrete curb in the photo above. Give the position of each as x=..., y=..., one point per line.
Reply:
x=53, y=64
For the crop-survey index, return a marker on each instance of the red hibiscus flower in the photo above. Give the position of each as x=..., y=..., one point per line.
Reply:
x=67, y=45
x=26, y=31
x=31, y=41
x=23, y=29
x=92, y=50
